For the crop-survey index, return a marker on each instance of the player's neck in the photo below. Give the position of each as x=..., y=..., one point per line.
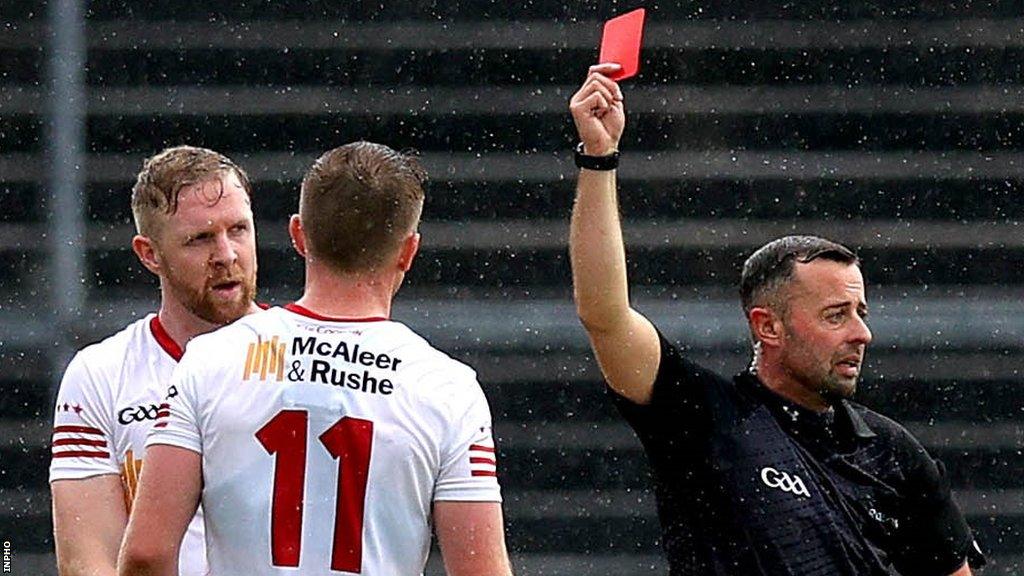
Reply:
x=180, y=324
x=775, y=378
x=348, y=296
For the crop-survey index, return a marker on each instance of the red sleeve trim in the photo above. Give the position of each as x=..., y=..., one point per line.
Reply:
x=482, y=448
x=80, y=442
x=77, y=429
x=485, y=473
x=81, y=454
x=480, y=460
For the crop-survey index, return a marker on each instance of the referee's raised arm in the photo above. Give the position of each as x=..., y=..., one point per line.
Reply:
x=625, y=342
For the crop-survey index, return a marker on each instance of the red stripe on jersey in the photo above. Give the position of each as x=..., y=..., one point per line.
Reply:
x=481, y=460
x=163, y=406
x=485, y=473
x=77, y=429
x=80, y=442
x=81, y=454
x=160, y=425
x=164, y=339
x=482, y=448
x=163, y=413
x=303, y=311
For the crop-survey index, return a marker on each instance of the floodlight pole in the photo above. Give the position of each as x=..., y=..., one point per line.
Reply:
x=65, y=175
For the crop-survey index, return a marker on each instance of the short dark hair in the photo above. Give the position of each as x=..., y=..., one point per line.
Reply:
x=358, y=202
x=772, y=265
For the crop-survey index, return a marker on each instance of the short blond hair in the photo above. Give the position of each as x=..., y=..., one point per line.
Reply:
x=163, y=175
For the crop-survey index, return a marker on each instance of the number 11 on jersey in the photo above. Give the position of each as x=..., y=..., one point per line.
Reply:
x=349, y=441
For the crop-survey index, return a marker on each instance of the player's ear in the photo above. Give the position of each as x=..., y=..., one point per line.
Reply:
x=145, y=249
x=297, y=234
x=407, y=252
x=766, y=326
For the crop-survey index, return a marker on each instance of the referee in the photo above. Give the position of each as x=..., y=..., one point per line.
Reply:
x=774, y=472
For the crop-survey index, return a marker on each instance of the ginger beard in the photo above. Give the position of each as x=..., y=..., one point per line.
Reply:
x=224, y=296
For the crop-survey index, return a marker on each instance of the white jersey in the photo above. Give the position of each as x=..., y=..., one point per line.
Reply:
x=325, y=442
x=108, y=401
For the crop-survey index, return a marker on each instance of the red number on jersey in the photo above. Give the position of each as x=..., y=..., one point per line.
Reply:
x=349, y=440
x=285, y=436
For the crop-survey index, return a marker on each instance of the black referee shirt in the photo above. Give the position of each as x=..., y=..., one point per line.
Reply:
x=748, y=483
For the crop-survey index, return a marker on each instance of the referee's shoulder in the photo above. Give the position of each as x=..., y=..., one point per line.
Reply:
x=885, y=428
x=914, y=466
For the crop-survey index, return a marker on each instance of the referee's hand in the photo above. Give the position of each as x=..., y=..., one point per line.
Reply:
x=598, y=111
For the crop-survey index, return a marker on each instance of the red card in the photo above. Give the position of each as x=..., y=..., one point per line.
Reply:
x=620, y=43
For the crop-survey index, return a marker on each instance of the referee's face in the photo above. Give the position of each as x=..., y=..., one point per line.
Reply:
x=825, y=329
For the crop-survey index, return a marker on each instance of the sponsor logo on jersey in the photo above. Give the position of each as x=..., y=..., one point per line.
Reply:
x=784, y=481
x=342, y=350
x=131, y=468
x=321, y=371
x=883, y=518
x=319, y=329
x=141, y=413
x=265, y=359
x=323, y=367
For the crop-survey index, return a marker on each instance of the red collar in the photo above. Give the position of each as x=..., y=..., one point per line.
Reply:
x=303, y=311
x=164, y=339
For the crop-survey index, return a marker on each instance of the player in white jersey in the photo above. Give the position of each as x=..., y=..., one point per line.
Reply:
x=195, y=232
x=323, y=438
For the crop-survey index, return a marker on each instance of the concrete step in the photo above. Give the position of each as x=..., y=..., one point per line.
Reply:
x=499, y=129
x=533, y=167
x=686, y=30
x=680, y=234
x=116, y=271
x=697, y=113
x=722, y=198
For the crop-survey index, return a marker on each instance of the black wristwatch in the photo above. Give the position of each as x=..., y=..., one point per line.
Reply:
x=609, y=162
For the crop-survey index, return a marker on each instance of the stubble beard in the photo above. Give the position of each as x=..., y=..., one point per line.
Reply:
x=823, y=379
x=835, y=387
